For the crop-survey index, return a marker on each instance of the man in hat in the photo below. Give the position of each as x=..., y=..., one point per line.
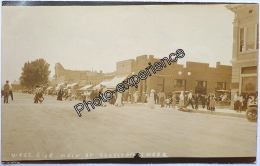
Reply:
x=189, y=99
x=6, y=91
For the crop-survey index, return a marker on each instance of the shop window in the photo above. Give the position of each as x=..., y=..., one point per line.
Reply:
x=220, y=86
x=249, y=84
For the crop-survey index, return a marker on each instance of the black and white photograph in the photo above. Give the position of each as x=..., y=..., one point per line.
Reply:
x=129, y=82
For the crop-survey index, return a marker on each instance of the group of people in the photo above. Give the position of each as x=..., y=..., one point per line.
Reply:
x=66, y=93
x=243, y=101
x=186, y=100
x=38, y=98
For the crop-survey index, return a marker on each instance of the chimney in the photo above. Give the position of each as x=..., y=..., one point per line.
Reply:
x=100, y=71
x=217, y=63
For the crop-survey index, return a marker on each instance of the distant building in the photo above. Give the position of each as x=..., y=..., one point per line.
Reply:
x=94, y=78
x=70, y=76
x=16, y=86
x=83, y=77
x=245, y=49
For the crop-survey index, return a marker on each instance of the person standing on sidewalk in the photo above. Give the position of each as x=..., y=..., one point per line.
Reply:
x=196, y=98
x=236, y=102
x=241, y=103
x=162, y=97
x=203, y=100
x=181, y=101
x=136, y=96
x=189, y=100
x=208, y=101
x=212, y=102
x=6, y=91
x=173, y=100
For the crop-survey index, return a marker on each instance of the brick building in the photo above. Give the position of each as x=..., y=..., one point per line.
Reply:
x=198, y=77
x=245, y=49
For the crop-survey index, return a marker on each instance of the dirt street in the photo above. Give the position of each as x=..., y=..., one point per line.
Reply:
x=53, y=130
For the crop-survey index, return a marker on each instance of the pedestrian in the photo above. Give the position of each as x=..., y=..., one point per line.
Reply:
x=161, y=97
x=60, y=94
x=151, y=102
x=196, y=99
x=155, y=98
x=69, y=92
x=103, y=92
x=203, y=100
x=6, y=91
x=189, y=100
x=37, y=92
x=208, y=101
x=40, y=94
x=212, y=102
x=146, y=97
x=236, y=102
x=126, y=93
x=173, y=100
x=241, y=103
x=136, y=96
x=181, y=100
x=129, y=100
x=118, y=102
x=143, y=98
x=246, y=96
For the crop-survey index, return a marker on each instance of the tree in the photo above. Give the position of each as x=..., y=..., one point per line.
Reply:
x=35, y=73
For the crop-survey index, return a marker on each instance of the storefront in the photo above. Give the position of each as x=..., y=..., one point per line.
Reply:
x=245, y=51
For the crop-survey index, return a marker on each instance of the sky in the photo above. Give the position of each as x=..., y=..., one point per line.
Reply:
x=96, y=37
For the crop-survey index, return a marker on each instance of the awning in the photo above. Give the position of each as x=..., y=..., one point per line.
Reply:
x=59, y=86
x=116, y=80
x=50, y=87
x=71, y=85
x=102, y=83
x=85, y=87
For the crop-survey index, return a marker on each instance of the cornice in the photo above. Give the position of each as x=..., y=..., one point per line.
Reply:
x=238, y=7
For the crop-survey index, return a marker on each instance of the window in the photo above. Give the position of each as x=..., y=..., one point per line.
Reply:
x=248, y=38
x=249, y=84
x=241, y=48
x=202, y=84
x=220, y=85
x=201, y=87
x=179, y=82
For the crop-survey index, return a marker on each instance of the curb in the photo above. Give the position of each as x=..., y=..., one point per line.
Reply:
x=214, y=113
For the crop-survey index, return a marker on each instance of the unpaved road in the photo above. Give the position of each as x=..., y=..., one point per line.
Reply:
x=52, y=130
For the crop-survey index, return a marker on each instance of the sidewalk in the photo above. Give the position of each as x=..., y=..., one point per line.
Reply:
x=218, y=111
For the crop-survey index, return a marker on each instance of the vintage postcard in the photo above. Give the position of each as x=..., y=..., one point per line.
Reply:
x=129, y=82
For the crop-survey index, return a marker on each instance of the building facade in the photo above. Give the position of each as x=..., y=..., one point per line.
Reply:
x=245, y=49
x=70, y=76
x=198, y=77
x=83, y=77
